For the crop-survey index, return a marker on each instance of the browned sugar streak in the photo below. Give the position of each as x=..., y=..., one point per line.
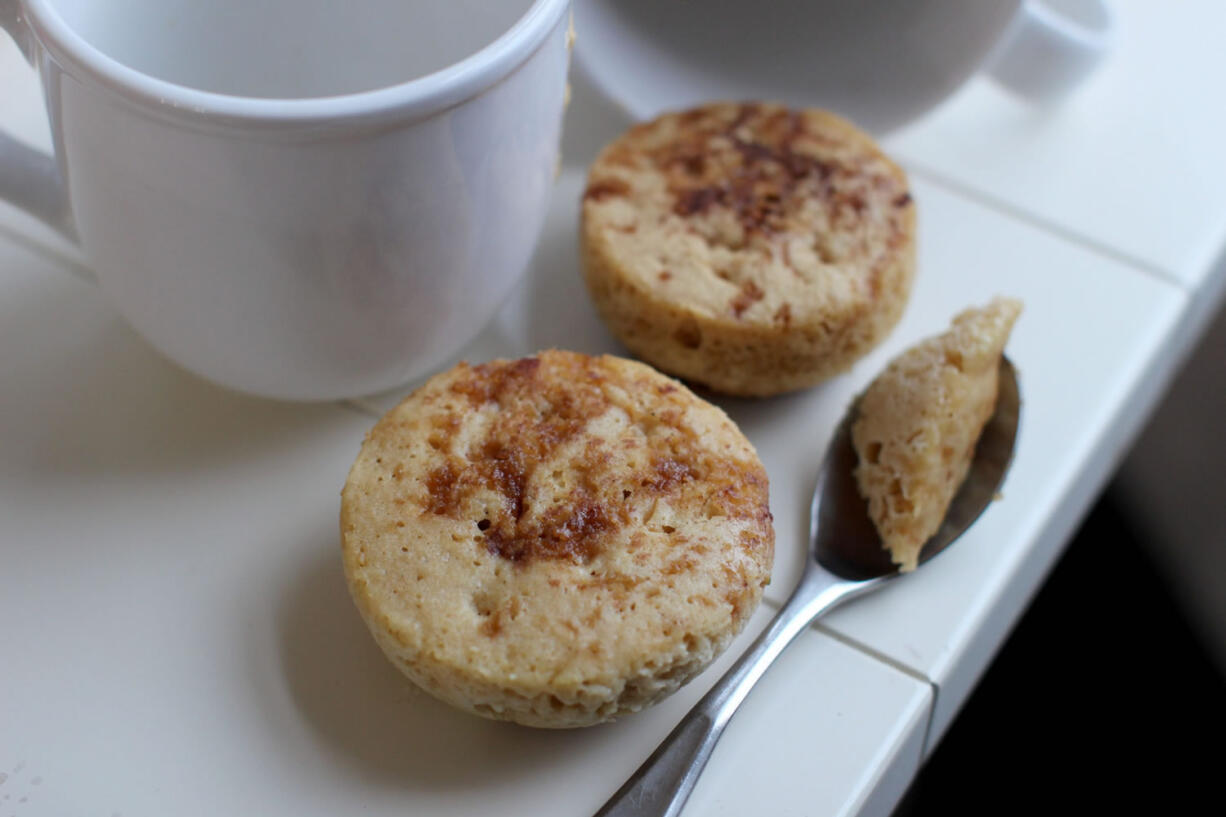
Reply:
x=762, y=164
x=767, y=175
x=537, y=415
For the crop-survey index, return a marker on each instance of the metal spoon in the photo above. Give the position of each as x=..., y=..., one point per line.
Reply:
x=846, y=560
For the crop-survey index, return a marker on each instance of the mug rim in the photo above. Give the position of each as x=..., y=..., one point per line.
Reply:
x=414, y=98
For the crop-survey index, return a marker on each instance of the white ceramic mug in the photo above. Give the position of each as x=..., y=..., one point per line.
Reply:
x=881, y=63
x=302, y=199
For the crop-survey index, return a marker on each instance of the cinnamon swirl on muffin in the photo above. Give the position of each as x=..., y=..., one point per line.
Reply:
x=556, y=540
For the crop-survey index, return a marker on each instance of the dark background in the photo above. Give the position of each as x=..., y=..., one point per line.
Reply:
x=1103, y=697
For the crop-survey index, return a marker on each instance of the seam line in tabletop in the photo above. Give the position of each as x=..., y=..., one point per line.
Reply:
x=1018, y=213
x=874, y=653
x=70, y=265
x=861, y=647
x=361, y=406
x=86, y=275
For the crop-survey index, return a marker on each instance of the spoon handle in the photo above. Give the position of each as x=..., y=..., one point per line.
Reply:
x=660, y=787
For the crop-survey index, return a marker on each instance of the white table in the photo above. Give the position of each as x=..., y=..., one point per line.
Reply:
x=175, y=634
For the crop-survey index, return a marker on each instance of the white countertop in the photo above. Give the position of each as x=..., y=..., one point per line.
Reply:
x=177, y=636
x=1132, y=167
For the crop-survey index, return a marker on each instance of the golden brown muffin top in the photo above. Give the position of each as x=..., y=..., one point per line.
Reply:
x=544, y=406
x=561, y=521
x=777, y=201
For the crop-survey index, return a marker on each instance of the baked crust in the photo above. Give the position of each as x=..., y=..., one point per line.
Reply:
x=919, y=422
x=751, y=248
x=555, y=540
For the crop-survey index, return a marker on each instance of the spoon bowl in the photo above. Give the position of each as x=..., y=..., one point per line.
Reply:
x=842, y=537
x=846, y=559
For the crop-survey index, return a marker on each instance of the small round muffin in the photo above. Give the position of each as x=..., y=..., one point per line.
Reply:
x=555, y=540
x=751, y=248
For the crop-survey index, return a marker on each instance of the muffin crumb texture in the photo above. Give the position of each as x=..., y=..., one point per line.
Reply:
x=919, y=422
x=556, y=540
x=751, y=248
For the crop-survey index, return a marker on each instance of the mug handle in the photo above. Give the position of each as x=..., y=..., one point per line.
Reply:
x=1051, y=46
x=30, y=178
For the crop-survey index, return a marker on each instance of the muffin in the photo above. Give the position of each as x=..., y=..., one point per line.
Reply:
x=555, y=540
x=918, y=424
x=750, y=248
